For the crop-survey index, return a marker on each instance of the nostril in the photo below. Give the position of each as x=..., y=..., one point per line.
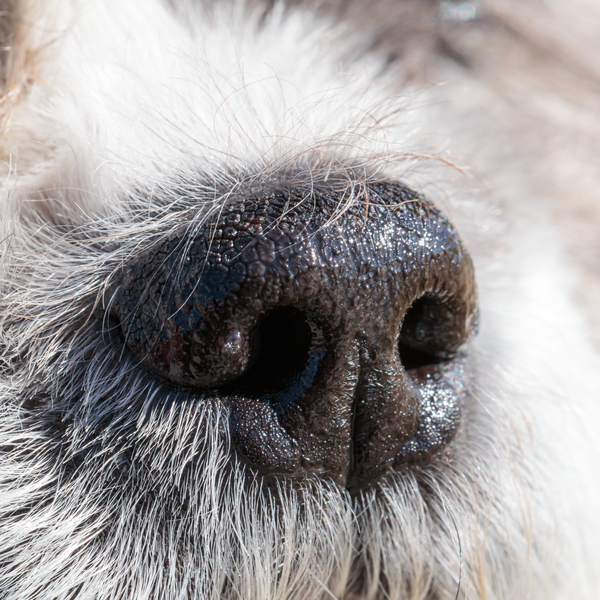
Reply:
x=281, y=346
x=412, y=359
x=429, y=334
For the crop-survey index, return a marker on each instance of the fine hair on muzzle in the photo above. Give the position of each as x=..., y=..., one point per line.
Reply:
x=334, y=334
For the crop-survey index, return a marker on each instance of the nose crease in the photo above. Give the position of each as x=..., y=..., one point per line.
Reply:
x=332, y=338
x=386, y=414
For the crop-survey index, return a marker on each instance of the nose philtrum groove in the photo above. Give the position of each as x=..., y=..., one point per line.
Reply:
x=331, y=335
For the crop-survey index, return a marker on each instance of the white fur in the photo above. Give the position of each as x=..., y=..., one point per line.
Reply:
x=125, y=117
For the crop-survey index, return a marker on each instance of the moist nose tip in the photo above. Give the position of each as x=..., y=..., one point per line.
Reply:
x=332, y=334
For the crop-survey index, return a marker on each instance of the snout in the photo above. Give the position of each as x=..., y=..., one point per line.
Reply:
x=333, y=332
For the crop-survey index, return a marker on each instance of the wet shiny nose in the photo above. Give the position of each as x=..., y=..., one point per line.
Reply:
x=331, y=331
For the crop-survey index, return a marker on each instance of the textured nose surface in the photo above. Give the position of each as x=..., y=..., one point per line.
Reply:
x=330, y=332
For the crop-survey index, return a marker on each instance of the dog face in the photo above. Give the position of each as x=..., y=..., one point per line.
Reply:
x=285, y=309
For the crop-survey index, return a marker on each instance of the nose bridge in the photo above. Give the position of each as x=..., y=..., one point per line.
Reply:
x=295, y=311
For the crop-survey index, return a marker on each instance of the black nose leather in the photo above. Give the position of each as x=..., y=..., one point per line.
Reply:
x=330, y=330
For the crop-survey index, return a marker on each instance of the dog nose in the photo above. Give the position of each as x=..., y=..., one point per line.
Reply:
x=331, y=330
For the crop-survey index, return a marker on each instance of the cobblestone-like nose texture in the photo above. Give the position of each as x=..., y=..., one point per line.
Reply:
x=330, y=332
